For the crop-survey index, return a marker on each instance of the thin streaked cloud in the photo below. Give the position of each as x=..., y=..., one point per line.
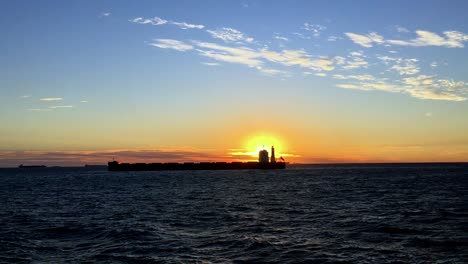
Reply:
x=171, y=44
x=51, y=99
x=156, y=21
x=184, y=25
x=60, y=106
x=449, y=39
x=210, y=63
x=229, y=35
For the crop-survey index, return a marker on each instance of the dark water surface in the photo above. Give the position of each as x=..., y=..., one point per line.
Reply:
x=314, y=214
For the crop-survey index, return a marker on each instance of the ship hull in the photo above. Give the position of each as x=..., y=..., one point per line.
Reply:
x=115, y=166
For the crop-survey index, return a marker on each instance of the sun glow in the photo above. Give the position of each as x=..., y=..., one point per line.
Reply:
x=258, y=142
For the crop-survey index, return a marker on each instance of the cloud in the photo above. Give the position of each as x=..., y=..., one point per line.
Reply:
x=421, y=87
x=184, y=25
x=433, y=64
x=240, y=55
x=401, y=29
x=363, y=77
x=83, y=101
x=229, y=35
x=51, y=99
x=349, y=86
x=281, y=38
x=401, y=65
x=452, y=39
x=365, y=40
x=356, y=60
x=371, y=85
x=26, y=96
x=408, y=68
x=171, y=44
x=298, y=58
x=39, y=109
x=271, y=71
x=333, y=38
x=60, y=106
x=315, y=29
x=255, y=58
x=105, y=14
x=339, y=60
x=302, y=36
x=427, y=87
x=210, y=63
x=156, y=21
x=320, y=74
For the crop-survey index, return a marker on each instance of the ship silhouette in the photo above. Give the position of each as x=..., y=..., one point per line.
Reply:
x=264, y=163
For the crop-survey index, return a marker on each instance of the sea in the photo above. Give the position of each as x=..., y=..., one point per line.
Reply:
x=366, y=213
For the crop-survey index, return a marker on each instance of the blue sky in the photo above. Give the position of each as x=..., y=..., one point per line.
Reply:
x=193, y=64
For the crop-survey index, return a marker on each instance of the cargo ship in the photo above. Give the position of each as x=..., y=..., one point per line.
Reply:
x=264, y=163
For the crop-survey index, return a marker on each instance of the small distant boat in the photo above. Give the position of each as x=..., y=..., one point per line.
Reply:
x=31, y=166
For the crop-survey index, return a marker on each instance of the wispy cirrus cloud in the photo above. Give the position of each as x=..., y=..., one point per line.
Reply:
x=157, y=21
x=449, y=39
x=365, y=40
x=51, y=99
x=362, y=77
x=184, y=25
x=229, y=35
x=355, y=60
x=281, y=38
x=428, y=87
x=210, y=63
x=240, y=55
x=60, y=106
x=401, y=65
x=39, y=109
x=255, y=58
x=315, y=29
x=171, y=44
x=401, y=29
x=421, y=87
x=105, y=14
x=333, y=38
x=300, y=35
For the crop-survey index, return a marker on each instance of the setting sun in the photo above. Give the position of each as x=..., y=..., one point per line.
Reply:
x=263, y=141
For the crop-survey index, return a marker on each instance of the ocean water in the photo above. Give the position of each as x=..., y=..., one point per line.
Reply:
x=306, y=214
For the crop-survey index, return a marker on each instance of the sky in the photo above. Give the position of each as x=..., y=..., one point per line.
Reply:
x=83, y=82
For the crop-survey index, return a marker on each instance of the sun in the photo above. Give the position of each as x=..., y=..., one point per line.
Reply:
x=255, y=143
